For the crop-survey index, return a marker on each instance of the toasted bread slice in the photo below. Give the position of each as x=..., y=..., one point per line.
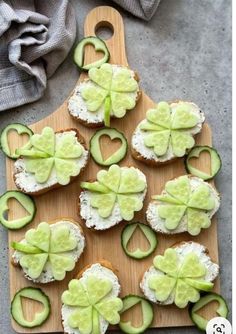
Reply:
x=47, y=274
x=158, y=224
x=26, y=182
x=182, y=248
x=146, y=154
x=101, y=269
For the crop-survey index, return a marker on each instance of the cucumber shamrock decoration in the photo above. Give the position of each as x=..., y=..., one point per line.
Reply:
x=178, y=201
x=110, y=88
x=49, y=154
x=90, y=300
x=179, y=276
x=120, y=186
x=46, y=247
x=170, y=127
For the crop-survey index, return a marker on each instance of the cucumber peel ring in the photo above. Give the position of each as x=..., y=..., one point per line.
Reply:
x=21, y=129
x=215, y=162
x=25, y=200
x=34, y=294
x=147, y=311
x=198, y=320
x=126, y=235
x=99, y=45
x=95, y=148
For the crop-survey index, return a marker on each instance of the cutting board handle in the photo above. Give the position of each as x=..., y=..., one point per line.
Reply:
x=106, y=16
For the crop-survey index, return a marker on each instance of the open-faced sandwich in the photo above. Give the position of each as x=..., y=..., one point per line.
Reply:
x=116, y=195
x=109, y=91
x=186, y=204
x=179, y=275
x=167, y=132
x=53, y=159
x=49, y=251
x=91, y=302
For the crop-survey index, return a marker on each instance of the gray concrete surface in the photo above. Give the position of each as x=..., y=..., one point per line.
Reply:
x=183, y=52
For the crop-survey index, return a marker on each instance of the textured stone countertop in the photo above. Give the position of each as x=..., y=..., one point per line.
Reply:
x=187, y=49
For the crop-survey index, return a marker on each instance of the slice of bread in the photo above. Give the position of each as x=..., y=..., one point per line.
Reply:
x=146, y=154
x=158, y=224
x=26, y=182
x=102, y=269
x=90, y=215
x=78, y=109
x=47, y=274
x=182, y=248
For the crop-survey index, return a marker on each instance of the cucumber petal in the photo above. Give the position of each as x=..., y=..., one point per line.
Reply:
x=184, y=117
x=166, y=198
x=199, y=284
x=110, y=178
x=161, y=115
x=104, y=203
x=39, y=237
x=163, y=286
x=76, y=295
x=197, y=220
x=41, y=168
x=185, y=293
x=66, y=169
x=179, y=189
x=123, y=81
x=159, y=140
x=192, y=267
x=45, y=141
x=167, y=263
x=82, y=319
x=128, y=205
x=172, y=214
x=181, y=141
x=60, y=265
x=149, y=126
x=62, y=240
x=202, y=198
x=130, y=181
x=102, y=76
x=34, y=264
x=68, y=147
x=121, y=102
x=97, y=288
x=94, y=96
x=109, y=310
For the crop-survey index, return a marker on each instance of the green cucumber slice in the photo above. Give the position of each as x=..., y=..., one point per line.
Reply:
x=31, y=153
x=110, y=178
x=192, y=267
x=109, y=309
x=34, y=264
x=172, y=214
x=95, y=148
x=98, y=44
x=25, y=248
x=138, y=253
x=76, y=295
x=199, y=284
x=215, y=162
x=96, y=322
x=198, y=320
x=179, y=188
x=128, y=205
x=185, y=293
x=62, y=240
x=21, y=129
x=97, y=288
x=82, y=319
x=147, y=314
x=184, y=118
x=107, y=111
x=60, y=265
x=25, y=200
x=167, y=263
x=163, y=286
x=94, y=186
x=34, y=294
x=131, y=182
x=39, y=237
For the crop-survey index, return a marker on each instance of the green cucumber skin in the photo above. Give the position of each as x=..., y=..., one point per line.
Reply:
x=207, y=148
x=33, y=202
x=81, y=68
x=129, y=255
x=2, y=132
x=91, y=143
x=47, y=301
x=205, y=295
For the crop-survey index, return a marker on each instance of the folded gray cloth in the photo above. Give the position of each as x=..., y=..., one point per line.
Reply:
x=144, y=9
x=35, y=38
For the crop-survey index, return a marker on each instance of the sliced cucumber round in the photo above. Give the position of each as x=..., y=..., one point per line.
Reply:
x=34, y=294
x=99, y=45
x=126, y=235
x=25, y=248
x=215, y=162
x=95, y=148
x=198, y=320
x=147, y=312
x=21, y=129
x=25, y=200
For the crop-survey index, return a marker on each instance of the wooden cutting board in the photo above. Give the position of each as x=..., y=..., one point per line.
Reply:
x=62, y=202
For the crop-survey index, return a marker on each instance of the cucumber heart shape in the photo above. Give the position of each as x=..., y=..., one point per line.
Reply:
x=104, y=203
x=76, y=295
x=97, y=288
x=102, y=76
x=94, y=96
x=121, y=102
x=167, y=263
x=66, y=169
x=44, y=142
x=67, y=147
x=60, y=265
x=128, y=205
x=34, y=264
x=179, y=188
x=197, y=220
x=162, y=285
x=41, y=168
x=82, y=319
x=181, y=141
x=184, y=118
x=123, y=81
x=172, y=214
x=109, y=310
x=202, y=199
x=39, y=237
x=185, y=293
x=110, y=178
x=161, y=115
x=62, y=240
x=192, y=267
x=159, y=140
x=131, y=182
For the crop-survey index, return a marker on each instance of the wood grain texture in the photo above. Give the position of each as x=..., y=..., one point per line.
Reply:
x=62, y=202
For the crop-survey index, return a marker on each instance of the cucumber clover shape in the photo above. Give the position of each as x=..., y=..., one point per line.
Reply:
x=44, y=246
x=180, y=277
x=48, y=152
x=121, y=185
x=179, y=202
x=91, y=300
x=168, y=127
x=110, y=87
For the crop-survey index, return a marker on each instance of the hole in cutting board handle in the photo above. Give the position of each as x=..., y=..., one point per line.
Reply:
x=104, y=30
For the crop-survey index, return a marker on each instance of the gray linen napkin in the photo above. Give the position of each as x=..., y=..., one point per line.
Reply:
x=35, y=38
x=144, y=9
